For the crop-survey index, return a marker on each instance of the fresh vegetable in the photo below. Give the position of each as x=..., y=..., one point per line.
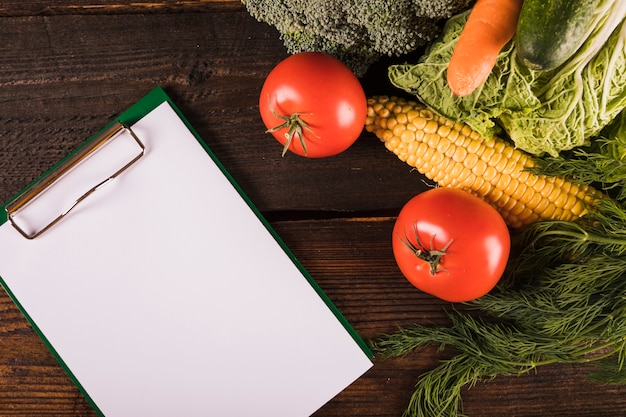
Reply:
x=561, y=299
x=442, y=253
x=548, y=33
x=558, y=311
x=541, y=112
x=604, y=162
x=490, y=26
x=454, y=155
x=313, y=105
x=358, y=32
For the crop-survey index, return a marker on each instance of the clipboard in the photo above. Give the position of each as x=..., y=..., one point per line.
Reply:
x=161, y=289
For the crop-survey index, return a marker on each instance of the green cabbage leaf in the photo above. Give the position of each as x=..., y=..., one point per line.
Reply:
x=541, y=112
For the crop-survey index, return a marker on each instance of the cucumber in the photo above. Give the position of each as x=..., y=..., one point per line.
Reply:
x=549, y=32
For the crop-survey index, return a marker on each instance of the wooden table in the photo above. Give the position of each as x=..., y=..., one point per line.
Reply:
x=68, y=67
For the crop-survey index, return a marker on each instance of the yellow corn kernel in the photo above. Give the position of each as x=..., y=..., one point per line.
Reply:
x=490, y=172
x=471, y=161
x=387, y=123
x=454, y=155
x=412, y=113
x=503, y=181
x=456, y=170
x=398, y=129
x=431, y=126
x=444, y=131
x=485, y=187
x=493, y=161
x=401, y=117
x=419, y=122
x=453, y=135
x=459, y=154
x=528, y=195
x=407, y=136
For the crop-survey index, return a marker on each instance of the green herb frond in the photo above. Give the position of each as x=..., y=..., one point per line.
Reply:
x=485, y=349
x=438, y=392
x=569, y=306
x=586, y=167
x=610, y=369
x=602, y=163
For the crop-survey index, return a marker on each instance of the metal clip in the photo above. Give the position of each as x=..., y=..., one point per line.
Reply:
x=48, y=181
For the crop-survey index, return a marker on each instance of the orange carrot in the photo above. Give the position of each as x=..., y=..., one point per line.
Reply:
x=491, y=24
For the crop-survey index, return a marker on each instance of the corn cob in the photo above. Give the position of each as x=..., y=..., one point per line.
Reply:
x=454, y=155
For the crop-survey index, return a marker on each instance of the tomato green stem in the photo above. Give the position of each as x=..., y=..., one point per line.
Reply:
x=430, y=255
x=295, y=126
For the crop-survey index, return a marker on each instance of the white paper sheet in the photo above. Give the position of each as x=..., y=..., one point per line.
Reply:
x=165, y=295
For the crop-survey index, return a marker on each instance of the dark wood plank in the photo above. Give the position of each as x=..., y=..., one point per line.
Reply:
x=43, y=7
x=63, y=75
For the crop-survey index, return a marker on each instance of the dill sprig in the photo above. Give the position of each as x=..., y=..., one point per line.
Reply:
x=602, y=163
x=562, y=298
x=600, y=166
x=573, y=313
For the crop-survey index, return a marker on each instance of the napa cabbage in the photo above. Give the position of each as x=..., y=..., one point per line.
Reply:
x=541, y=112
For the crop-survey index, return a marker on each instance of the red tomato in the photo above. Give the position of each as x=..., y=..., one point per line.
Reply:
x=319, y=98
x=451, y=244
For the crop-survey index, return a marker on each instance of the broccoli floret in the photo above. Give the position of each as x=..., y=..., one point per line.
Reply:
x=358, y=32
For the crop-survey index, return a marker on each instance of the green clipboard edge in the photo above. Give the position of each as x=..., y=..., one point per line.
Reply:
x=133, y=114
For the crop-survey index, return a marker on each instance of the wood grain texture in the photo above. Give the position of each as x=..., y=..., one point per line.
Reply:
x=42, y=7
x=68, y=67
